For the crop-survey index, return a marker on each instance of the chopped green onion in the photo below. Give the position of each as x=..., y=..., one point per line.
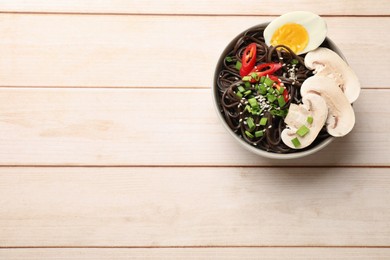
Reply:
x=310, y=119
x=271, y=90
x=262, y=89
x=262, y=79
x=269, y=82
x=271, y=98
x=263, y=121
x=280, y=113
x=251, y=123
x=241, y=88
x=248, y=108
x=253, y=102
x=229, y=59
x=281, y=101
x=255, y=76
x=256, y=111
x=296, y=142
x=259, y=133
x=238, y=65
x=246, y=78
x=302, y=131
x=248, y=92
x=281, y=90
x=247, y=84
x=294, y=61
x=249, y=134
x=275, y=112
x=239, y=94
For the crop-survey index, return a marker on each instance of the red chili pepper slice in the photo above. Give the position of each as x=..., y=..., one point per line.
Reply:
x=285, y=95
x=285, y=92
x=274, y=78
x=266, y=68
x=248, y=59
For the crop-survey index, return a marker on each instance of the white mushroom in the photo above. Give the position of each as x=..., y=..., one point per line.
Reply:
x=313, y=107
x=327, y=63
x=341, y=117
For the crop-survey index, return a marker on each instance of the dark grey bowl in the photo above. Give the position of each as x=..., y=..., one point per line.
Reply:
x=299, y=153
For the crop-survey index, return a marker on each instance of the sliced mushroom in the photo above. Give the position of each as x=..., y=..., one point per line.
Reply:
x=341, y=117
x=327, y=63
x=313, y=106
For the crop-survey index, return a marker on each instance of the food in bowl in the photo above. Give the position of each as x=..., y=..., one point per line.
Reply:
x=283, y=89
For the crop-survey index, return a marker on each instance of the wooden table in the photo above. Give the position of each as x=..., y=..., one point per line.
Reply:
x=111, y=148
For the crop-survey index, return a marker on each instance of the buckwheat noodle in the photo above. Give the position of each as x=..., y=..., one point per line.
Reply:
x=232, y=106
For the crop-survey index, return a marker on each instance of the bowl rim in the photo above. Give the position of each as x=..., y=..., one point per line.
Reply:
x=241, y=141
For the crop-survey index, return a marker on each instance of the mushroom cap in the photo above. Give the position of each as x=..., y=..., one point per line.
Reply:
x=328, y=63
x=341, y=117
x=314, y=106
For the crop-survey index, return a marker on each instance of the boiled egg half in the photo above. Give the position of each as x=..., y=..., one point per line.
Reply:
x=300, y=31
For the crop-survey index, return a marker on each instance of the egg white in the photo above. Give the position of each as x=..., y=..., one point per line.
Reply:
x=314, y=25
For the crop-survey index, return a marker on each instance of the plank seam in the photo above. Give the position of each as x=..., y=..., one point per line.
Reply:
x=174, y=14
x=198, y=166
x=136, y=87
x=175, y=247
x=110, y=87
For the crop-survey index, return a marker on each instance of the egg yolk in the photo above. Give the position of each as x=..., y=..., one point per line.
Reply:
x=292, y=35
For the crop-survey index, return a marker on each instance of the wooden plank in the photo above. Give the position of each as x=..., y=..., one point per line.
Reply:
x=154, y=51
x=157, y=127
x=196, y=253
x=251, y=7
x=87, y=207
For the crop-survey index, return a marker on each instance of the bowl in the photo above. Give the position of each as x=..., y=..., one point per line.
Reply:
x=313, y=148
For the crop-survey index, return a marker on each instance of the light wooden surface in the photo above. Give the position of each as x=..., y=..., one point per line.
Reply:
x=132, y=127
x=196, y=253
x=153, y=50
x=110, y=147
x=188, y=206
x=202, y=7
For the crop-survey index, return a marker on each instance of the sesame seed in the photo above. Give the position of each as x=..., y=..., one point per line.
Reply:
x=270, y=126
